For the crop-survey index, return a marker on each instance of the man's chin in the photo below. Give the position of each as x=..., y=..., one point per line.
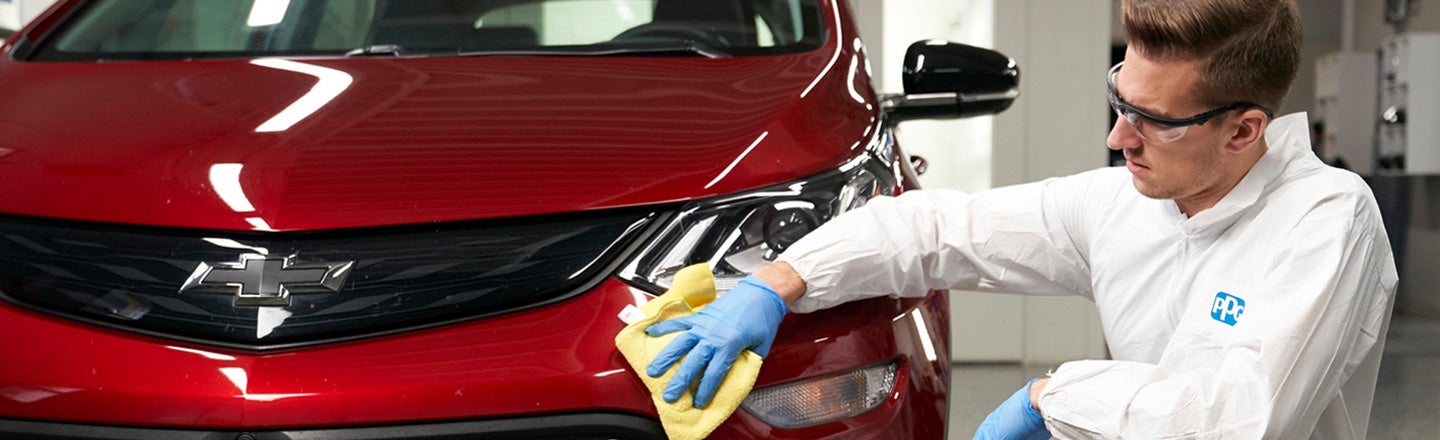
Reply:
x=1147, y=190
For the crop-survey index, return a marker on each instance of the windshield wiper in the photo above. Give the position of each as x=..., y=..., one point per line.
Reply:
x=686, y=47
x=375, y=50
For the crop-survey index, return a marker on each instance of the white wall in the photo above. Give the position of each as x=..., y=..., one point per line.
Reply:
x=9, y=15
x=16, y=13
x=1037, y=142
x=1057, y=127
x=983, y=327
x=29, y=9
x=958, y=151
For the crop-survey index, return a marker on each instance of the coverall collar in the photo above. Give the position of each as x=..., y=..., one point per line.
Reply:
x=1288, y=137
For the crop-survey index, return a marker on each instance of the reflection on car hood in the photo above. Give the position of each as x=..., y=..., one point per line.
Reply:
x=334, y=143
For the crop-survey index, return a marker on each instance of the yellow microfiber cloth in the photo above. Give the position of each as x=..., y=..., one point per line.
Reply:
x=694, y=286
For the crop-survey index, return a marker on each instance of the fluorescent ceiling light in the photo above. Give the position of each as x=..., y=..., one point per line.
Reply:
x=225, y=180
x=331, y=83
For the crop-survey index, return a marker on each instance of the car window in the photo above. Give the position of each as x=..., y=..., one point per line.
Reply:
x=573, y=22
x=183, y=29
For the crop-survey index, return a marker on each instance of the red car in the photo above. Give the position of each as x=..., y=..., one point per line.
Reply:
x=422, y=218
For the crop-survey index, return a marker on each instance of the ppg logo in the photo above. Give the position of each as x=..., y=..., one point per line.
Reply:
x=1227, y=308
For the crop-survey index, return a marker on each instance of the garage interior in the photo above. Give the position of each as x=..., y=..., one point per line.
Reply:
x=1017, y=337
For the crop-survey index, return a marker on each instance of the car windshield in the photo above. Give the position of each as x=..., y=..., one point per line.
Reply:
x=186, y=29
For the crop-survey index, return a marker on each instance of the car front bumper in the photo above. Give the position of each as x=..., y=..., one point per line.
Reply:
x=553, y=361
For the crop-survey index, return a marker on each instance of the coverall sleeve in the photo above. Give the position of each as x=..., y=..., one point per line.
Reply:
x=1326, y=295
x=1019, y=239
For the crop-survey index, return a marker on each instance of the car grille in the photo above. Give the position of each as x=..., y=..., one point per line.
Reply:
x=590, y=426
x=278, y=290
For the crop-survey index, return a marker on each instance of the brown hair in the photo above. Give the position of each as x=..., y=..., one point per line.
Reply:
x=1249, y=49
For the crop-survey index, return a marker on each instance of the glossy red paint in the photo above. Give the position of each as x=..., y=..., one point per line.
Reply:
x=415, y=140
x=554, y=359
x=430, y=140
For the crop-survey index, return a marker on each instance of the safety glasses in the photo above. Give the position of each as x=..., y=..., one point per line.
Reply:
x=1160, y=129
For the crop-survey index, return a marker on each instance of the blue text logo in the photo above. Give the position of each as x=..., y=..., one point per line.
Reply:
x=1227, y=308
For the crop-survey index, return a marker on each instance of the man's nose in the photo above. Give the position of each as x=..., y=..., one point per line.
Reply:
x=1122, y=136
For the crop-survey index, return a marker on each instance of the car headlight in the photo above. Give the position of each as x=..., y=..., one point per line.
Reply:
x=824, y=399
x=738, y=234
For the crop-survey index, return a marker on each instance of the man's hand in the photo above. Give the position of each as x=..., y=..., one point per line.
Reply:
x=1016, y=418
x=746, y=317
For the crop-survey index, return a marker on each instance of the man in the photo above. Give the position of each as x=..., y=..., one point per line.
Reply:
x=1244, y=286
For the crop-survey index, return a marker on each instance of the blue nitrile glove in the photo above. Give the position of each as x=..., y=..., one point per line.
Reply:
x=1015, y=419
x=745, y=317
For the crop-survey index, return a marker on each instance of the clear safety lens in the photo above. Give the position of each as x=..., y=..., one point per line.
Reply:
x=1150, y=130
x=822, y=400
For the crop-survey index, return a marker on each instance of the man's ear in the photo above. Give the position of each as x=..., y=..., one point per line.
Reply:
x=1249, y=131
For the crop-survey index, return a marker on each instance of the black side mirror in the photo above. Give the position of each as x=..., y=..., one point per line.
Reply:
x=946, y=80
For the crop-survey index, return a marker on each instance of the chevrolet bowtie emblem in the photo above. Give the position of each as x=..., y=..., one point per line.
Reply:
x=266, y=281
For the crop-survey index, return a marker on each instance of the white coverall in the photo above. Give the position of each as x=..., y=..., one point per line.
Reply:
x=1298, y=243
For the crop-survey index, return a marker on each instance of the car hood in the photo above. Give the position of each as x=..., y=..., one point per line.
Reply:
x=307, y=144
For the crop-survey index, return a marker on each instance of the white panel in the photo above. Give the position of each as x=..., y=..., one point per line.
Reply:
x=983, y=328
x=1061, y=329
x=29, y=9
x=1067, y=133
x=1012, y=36
x=958, y=151
x=986, y=327
x=1063, y=136
x=9, y=15
x=1345, y=104
x=959, y=157
x=1409, y=85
